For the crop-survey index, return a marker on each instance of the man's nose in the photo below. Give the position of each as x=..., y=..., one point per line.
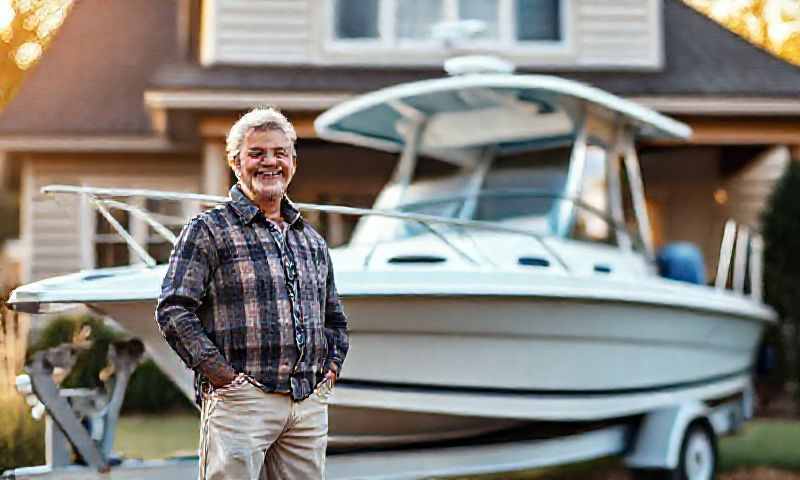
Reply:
x=269, y=158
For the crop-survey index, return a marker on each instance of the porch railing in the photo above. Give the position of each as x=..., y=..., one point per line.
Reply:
x=741, y=260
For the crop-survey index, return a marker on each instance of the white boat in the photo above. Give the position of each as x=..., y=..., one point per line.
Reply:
x=516, y=285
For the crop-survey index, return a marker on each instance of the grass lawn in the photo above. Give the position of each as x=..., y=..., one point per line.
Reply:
x=158, y=436
x=771, y=443
x=763, y=442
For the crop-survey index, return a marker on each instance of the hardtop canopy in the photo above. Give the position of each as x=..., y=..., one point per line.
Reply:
x=503, y=111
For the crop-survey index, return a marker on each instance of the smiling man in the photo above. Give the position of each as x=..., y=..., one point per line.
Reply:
x=249, y=303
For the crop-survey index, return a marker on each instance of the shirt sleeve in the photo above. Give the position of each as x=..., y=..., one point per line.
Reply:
x=190, y=267
x=335, y=322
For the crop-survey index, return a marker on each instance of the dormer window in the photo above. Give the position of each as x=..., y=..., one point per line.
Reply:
x=410, y=23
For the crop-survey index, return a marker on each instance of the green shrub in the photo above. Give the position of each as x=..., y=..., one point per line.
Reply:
x=151, y=391
x=781, y=226
x=21, y=437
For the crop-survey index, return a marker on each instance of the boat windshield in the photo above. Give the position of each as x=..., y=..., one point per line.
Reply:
x=524, y=189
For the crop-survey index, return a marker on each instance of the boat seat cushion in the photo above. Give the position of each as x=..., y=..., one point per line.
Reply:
x=681, y=261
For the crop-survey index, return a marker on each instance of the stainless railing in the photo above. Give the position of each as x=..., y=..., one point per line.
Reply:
x=102, y=200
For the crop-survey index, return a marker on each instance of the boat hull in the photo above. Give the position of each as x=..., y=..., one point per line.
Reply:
x=432, y=368
x=542, y=345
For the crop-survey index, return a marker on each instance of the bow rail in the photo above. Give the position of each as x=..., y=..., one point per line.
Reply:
x=102, y=200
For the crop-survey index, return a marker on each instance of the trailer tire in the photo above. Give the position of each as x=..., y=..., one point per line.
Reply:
x=697, y=461
x=698, y=457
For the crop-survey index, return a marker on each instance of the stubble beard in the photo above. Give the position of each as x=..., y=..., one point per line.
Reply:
x=270, y=193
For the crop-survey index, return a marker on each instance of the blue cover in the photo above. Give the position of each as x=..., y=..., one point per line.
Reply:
x=682, y=261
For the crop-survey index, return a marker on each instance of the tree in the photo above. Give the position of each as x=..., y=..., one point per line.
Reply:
x=771, y=24
x=26, y=29
x=781, y=229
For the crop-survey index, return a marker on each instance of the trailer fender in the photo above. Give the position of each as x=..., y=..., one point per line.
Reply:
x=657, y=443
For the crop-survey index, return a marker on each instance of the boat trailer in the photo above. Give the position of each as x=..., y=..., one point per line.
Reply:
x=81, y=423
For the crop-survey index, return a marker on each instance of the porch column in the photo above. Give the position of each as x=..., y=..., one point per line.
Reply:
x=216, y=174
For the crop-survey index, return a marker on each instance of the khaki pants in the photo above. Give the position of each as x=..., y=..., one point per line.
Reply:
x=246, y=433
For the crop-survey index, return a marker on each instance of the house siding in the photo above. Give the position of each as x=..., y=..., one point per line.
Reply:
x=618, y=33
x=750, y=188
x=598, y=34
x=52, y=226
x=256, y=32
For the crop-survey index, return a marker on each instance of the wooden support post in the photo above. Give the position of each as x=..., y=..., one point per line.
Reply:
x=216, y=173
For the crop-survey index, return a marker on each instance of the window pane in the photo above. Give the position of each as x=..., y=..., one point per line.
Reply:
x=529, y=185
x=171, y=215
x=105, y=228
x=111, y=255
x=416, y=18
x=591, y=223
x=160, y=251
x=483, y=10
x=356, y=19
x=538, y=20
x=168, y=213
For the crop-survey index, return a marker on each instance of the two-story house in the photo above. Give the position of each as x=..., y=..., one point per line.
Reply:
x=140, y=93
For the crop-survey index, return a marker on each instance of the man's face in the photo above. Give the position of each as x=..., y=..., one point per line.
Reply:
x=265, y=165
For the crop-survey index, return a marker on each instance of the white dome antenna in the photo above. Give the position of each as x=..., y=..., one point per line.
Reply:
x=472, y=64
x=450, y=33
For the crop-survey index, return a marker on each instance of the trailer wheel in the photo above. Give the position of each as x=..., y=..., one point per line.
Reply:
x=698, y=460
x=698, y=457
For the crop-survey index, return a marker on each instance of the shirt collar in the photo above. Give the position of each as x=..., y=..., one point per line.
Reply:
x=247, y=210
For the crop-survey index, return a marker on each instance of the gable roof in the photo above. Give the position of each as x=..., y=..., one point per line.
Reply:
x=701, y=58
x=92, y=78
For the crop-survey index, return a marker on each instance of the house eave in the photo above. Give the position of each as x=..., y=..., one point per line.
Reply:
x=227, y=100
x=721, y=105
x=231, y=100
x=44, y=143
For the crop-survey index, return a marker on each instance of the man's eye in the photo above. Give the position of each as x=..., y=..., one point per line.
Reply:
x=254, y=154
x=281, y=153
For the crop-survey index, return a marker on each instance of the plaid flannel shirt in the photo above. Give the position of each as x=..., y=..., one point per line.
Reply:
x=265, y=302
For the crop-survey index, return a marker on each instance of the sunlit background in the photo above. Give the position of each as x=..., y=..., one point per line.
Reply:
x=772, y=24
x=26, y=29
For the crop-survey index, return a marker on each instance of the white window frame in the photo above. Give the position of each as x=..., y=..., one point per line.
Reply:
x=505, y=43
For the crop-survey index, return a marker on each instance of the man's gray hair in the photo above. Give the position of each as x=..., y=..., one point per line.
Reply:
x=258, y=118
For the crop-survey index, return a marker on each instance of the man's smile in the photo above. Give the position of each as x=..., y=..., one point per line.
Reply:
x=269, y=173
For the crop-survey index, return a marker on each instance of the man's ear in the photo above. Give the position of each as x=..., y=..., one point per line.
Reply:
x=237, y=167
